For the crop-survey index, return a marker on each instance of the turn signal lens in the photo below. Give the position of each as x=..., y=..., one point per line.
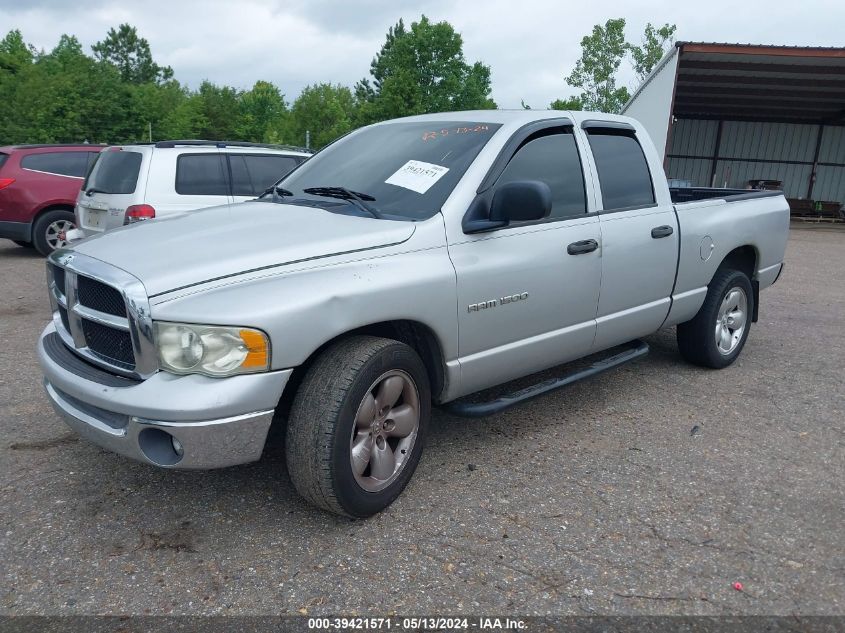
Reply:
x=256, y=344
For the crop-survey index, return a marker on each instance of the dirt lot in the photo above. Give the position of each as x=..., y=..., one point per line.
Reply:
x=651, y=489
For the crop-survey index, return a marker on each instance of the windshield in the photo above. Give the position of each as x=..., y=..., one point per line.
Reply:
x=402, y=170
x=116, y=171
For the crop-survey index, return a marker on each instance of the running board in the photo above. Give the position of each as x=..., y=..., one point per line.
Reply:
x=636, y=349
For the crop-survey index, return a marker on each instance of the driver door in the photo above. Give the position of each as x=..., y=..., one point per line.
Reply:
x=526, y=302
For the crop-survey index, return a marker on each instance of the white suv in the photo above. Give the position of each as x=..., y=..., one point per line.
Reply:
x=130, y=183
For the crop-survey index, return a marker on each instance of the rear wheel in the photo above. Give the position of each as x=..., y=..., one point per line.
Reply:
x=50, y=230
x=717, y=334
x=357, y=425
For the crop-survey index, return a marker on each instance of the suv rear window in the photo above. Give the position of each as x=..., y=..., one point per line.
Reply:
x=115, y=172
x=201, y=175
x=62, y=163
x=3, y=159
x=623, y=171
x=254, y=173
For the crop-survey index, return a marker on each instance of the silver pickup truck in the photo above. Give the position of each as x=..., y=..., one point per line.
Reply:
x=409, y=264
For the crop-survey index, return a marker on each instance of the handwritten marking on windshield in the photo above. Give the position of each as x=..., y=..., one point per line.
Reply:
x=428, y=136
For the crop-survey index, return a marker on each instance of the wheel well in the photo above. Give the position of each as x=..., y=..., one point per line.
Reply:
x=743, y=258
x=416, y=335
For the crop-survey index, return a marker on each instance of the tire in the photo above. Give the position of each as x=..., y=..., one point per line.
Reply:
x=23, y=244
x=715, y=336
x=339, y=395
x=47, y=230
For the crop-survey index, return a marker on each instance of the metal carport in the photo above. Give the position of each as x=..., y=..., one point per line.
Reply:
x=729, y=114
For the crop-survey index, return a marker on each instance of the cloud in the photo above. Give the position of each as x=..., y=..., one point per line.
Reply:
x=530, y=45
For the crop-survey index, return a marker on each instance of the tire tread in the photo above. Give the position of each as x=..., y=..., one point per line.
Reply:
x=320, y=398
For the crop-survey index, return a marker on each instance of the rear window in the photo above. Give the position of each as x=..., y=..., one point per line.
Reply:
x=254, y=173
x=61, y=163
x=115, y=172
x=201, y=175
x=623, y=171
x=3, y=159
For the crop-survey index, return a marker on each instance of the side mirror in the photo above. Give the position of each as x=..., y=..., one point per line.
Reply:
x=521, y=201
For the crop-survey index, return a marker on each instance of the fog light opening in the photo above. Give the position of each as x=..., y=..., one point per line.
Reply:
x=160, y=447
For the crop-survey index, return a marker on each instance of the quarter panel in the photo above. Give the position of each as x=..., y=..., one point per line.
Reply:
x=710, y=229
x=759, y=222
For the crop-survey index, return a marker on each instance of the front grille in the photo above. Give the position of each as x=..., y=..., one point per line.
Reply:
x=95, y=317
x=97, y=296
x=112, y=345
x=63, y=315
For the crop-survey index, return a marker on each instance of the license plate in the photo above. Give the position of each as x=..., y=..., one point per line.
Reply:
x=94, y=218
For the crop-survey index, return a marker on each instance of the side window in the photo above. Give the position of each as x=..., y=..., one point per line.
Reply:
x=553, y=159
x=241, y=182
x=62, y=163
x=623, y=170
x=201, y=175
x=253, y=173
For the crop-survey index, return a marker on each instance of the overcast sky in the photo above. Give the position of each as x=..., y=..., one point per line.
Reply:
x=530, y=45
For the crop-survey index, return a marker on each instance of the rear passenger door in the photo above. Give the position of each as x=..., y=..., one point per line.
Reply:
x=253, y=173
x=639, y=236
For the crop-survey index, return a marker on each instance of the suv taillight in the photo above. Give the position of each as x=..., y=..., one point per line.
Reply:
x=138, y=212
x=5, y=182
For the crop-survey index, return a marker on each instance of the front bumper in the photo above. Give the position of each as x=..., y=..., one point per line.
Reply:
x=215, y=422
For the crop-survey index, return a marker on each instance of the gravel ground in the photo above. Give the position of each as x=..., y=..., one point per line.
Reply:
x=648, y=490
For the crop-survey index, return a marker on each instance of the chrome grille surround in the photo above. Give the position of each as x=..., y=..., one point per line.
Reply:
x=137, y=322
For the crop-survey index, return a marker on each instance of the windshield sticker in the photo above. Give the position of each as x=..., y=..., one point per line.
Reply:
x=417, y=176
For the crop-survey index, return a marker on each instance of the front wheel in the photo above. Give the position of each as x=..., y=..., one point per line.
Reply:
x=716, y=335
x=357, y=425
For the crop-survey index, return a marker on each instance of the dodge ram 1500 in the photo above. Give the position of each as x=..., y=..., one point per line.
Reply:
x=409, y=264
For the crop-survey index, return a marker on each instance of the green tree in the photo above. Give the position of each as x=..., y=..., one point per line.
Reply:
x=421, y=70
x=15, y=53
x=263, y=113
x=570, y=103
x=595, y=72
x=65, y=96
x=170, y=110
x=324, y=110
x=131, y=55
x=221, y=111
x=654, y=45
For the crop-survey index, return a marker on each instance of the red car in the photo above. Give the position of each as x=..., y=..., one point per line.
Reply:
x=38, y=189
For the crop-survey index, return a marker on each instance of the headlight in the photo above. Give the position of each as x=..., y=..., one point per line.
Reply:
x=212, y=350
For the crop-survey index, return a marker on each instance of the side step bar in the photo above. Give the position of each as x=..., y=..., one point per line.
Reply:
x=636, y=349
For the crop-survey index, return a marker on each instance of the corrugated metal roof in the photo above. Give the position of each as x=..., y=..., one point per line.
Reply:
x=760, y=82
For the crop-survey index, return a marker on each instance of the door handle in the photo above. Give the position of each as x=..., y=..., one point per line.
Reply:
x=662, y=231
x=584, y=246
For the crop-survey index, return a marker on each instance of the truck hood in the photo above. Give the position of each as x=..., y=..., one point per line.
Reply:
x=188, y=249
